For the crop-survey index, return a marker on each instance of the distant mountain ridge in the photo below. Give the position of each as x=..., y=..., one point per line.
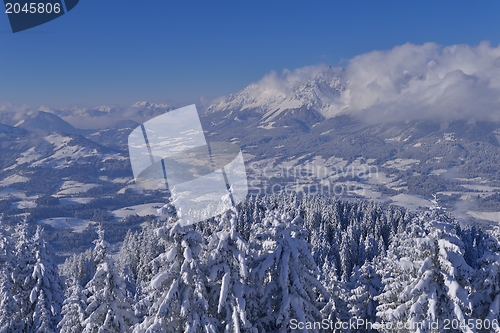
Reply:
x=10, y=130
x=114, y=136
x=75, y=119
x=45, y=122
x=104, y=116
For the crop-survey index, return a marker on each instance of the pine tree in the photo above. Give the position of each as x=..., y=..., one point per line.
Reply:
x=7, y=304
x=46, y=287
x=336, y=310
x=426, y=276
x=176, y=297
x=108, y=309
x=79, y=267
x=346, y=258
x=5, y=246
x=36, y=285
x=486, y=295
x=367, y=285
x=129, y=253
x=21, y=275
x=149, y=245
x=9, y=320
x=73, y=309
x=228, y=276
x=285, y=274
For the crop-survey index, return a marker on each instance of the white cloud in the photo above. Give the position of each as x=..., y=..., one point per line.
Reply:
x=425, y=81
x=10, y=114
x=407, y=82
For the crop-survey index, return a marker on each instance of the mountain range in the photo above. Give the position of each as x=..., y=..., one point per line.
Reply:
x=318, y=93
x=296, y=134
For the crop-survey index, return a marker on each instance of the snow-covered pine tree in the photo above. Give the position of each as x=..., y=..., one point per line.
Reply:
x=337, y=308
x=129, y=253
x=8, y=315
x=108, y=309
x=426, y=277
x=486, y=295
x=346, y=258
x=130, y=286
x=371, y=248
x=366, y=285
x=228, y=277
x=73, y=310
x=36, y=285
x=21, y=274
x=284, y=274
x=474, y=244
x=46, y=287
x=322, y=243
x=129, y=260
x=79, y=267
x=258, y=211
x=176, y=298
x=5, y=246
x=7, y=304
x=149, y=245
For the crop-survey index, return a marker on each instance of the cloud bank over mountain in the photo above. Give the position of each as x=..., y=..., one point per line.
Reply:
x=425, y=81
x=407, y=82
x=284, y=84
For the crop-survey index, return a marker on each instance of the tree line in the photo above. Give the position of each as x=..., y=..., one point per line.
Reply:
x=273, y=264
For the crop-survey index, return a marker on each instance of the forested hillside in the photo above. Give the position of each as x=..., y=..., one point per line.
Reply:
x=274, y=264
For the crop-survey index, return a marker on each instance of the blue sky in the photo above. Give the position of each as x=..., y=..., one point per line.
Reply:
x=117, y=52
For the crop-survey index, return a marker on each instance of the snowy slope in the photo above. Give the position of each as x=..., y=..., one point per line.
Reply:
x=58, y=150
x=9, y=130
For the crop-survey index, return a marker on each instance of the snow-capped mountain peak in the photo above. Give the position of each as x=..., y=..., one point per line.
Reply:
x=314, y=88
x=46, y=122
x=150, y=105
x=104, y=108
